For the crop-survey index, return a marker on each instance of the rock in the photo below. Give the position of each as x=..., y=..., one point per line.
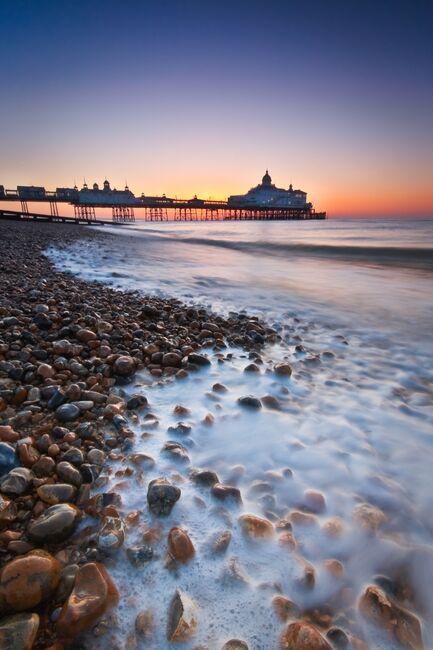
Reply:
x=282, y=369
x=124, y=366
x=17, y=482
x=144, y=624
x=67, y=412
x=314, y=501
x=93, y=594
x=224, y=492
x=180, y=545
x=138, y=556
x=235, y=644
x=86, y=335
x=55, y=524
x=252, y=367
x=182, y=617
x=8, y=457
x=338, y=638
x=69, y=474
x=171, y=359
x=402, y=626
x=303, y=636
x=180, y=429
x=198, y=359
x=18, y=632
x=284, y=608
x=112, y=534
x=221, y=541
x=256, y=527
x=45, y=466
x=8, y=511
x=176, y=450
x=7, y=434
x=136, y=402
x=271, y=402
x=161, y=496
x=29, y=580
x=249, y=401
x=204, y=477
x=56, y=493
x=45, y=371
x=368, y=517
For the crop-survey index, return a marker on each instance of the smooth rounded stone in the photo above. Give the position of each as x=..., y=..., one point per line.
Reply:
x=368, y=517
x=136, y=401
x=67, y=412
x=69, y=474
x=96, y=457
x=250, y=402
x=235, y=644
x=62, y=347
x=181, y=429
x=8, y=511
x=314, y=501
x=86, y=430
x=224, y=492
x=221, y=541
x=138, y=556
x=338, y=638
x=45, y=466
x=124, y=366
x=73, y=456
x=84, y=335
x=171, y=359
x=219, y=388
x=182, y=617
x=180, y=545
x=401, y=625
x=256, y=527
x=29, y=580
x=176, y=450
x=89, y=472
x=204, y=477
x=198, y=359
x=285, y=608
x=56, y=493
x=84, y=405
x=17, y=482
x=303, y=636
x=45, y=371
x=282, y=369
x=111, y=535
x=73, y=392
x=8, y=458
x=18, y=632
x=161, y=496
x=55, y=524
x=56, y=400
x=7, y=434
x=144, y=460
x=66, y=584
x=34, y=394
x=144, y=624
x=252, y=367
x=94, y=593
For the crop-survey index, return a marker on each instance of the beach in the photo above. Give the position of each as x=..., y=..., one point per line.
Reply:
x=181, y=465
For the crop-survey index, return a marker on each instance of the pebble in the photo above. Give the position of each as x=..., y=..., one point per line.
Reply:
x=17, y=482
x=223, y=492
x=138, y=556
x=55, y=524
x=182, y=617
x=67, y=412
x=303, y=636
x=162, y=496
x=180, y=545
x=29, y=580
x=56, y=493
x=8, y=457
x=235, y=644
x=204, y=477
x=249, y=401
x=256, y=527
x=18, y=632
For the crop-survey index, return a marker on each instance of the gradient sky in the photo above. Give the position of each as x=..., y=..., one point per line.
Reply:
x=185, y=97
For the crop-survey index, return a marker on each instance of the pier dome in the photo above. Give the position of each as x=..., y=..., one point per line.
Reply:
x=266, y=180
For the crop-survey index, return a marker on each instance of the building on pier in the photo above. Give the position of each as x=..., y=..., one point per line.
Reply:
x=266, y=194
x=106, y=195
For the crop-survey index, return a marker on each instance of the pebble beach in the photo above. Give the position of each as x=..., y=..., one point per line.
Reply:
x=99, y=481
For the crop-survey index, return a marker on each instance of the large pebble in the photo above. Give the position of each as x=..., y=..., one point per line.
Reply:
x=18, y=632
x=124, y=366
x=29, y=580
x=161, y=496
x=182, y=617
x=56, y=493
x=55, y=524
x=17, y=482
x=303, y=636
x=8, y=457
x=67, y=412
x=256, y=527
x=180, y=545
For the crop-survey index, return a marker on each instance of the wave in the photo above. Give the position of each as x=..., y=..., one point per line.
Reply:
x=394, y=255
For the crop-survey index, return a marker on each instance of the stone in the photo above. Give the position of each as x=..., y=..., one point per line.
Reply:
x=17, y=482
x=224, y=492
x=402, y=626
x=7, y=434
x=221, y=541
x=144, y=624
x=204, y=477
x=284, y=608
x=176, y=450
x=161, y=496
x=338, y=638
x=86, y=335
x=67, y=412
x=45, y=371
x=171, y=359
x=256, y=527
x=124, y=366
x=368, y=517
x=55, y=524
x=8, y=457
x=56, y=493
x=29, y=580
x=69, y=474
x=181, y=429
x=111, y=535
x=138, y=556
x=314, y=501
x=198, y=359
x=180, y=545
x=251, y=402
x=136, y=401
x=182, y=617
x=8, y=511
x=303, y=636
x=283, y=369
x=94, y=593
x=18, y=632
x=235, y=644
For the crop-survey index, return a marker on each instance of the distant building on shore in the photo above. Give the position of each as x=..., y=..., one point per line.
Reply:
x=266, y=194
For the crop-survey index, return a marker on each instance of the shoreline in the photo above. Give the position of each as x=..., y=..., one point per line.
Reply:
x=66, y=348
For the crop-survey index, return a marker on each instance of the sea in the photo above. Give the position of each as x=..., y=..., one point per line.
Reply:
x=352, y=300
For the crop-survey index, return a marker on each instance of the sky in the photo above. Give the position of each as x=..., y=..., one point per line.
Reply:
x=189, y=97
